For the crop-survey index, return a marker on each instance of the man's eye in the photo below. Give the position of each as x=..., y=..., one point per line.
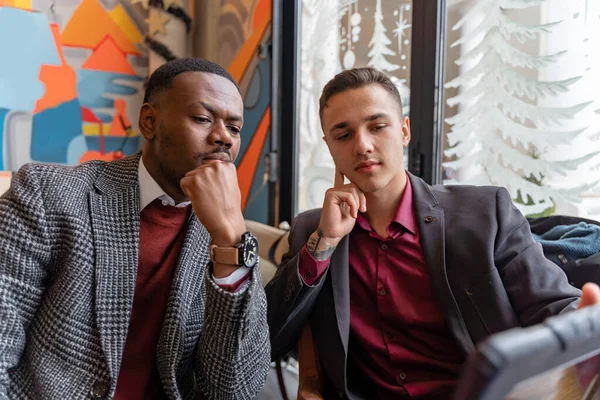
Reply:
x=201, y=119
x=342, y=137
x=235, y=129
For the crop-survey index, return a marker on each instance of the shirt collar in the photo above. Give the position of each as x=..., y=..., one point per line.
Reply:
x=150, y=190
x=404, y=214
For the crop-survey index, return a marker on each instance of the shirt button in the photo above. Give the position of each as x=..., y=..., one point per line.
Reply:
x=307, y=275
x=389, y=335
x=382, y=292
x=400, y=378
x=384, y=247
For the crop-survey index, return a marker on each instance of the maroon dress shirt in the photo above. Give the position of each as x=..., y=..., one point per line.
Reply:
x=399, y=345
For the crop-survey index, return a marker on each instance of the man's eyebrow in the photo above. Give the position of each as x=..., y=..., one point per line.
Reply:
x=340, y=125
x=372, y=117
x=376, y=116
x=211, y=109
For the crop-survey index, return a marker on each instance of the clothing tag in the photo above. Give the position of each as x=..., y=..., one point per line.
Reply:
x=563, y=260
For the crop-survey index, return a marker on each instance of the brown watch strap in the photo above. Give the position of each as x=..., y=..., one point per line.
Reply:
x=224, y=255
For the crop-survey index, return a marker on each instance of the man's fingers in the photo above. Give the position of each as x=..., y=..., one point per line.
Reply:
x=351, y=201
x=345, y=208
x=216, y=166
x=359, y=203
x=339, y=178
x=195, y=170
x=184, y=183
x=363, y=201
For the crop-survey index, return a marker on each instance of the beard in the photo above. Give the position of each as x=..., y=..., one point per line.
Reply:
x=175, y=162
x=171, y=175
x=170, y=164
x=372, y=186
x=377, y=182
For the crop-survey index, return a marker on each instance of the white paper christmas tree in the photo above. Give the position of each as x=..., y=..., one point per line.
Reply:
x=378, y=46
x=500, y=135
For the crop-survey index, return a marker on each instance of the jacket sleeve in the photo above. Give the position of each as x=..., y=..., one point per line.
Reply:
x=24, y=257
x=290, y=300
x=233, y=351
x=537, y=288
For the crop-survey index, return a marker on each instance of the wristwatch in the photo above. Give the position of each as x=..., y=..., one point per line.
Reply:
x=243, y=254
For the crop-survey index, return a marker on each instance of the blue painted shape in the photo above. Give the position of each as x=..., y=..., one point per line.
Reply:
x=53, y=130
x=112, y=143
x=26, y=43
x=252, y=116
x=3, y=114
x=257, y=207
x=92, y=87
x=106, y=118
x=76, y=149
x=254, y=91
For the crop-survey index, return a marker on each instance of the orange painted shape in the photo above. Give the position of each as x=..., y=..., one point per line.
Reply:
x=96, y=155
x=262, y=12
x=240, y=63
x=90, y=24
x=23, y=4
x=122, y=19
x=60, y=80
x=120, y=122
x=247, y=167
x=108, y=57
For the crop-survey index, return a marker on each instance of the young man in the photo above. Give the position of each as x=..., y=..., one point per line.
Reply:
x=107, y=287
x=397, y=278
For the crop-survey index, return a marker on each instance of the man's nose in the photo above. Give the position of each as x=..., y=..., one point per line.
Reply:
x=363, y=143
x=221, y=136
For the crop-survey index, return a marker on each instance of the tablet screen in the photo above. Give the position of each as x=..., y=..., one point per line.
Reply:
x=577, y=380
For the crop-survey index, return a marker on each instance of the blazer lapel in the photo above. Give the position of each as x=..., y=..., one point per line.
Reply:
x=114, y=213
x=430, y=222
x=341, y=289
x=186, y=300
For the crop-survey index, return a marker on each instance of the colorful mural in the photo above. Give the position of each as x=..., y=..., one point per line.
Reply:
x=251, y=67
x=75, y=94
x=71, y=96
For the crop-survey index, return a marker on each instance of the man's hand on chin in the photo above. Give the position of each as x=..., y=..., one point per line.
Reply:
x=215, y=194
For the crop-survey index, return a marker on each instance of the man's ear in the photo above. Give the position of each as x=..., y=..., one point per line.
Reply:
x=405, y=131
x=147, y=121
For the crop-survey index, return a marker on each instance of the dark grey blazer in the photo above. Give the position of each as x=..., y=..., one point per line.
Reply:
x=68, y=263
x=487, y=272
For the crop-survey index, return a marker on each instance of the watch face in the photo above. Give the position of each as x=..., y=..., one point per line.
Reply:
x=250, y=252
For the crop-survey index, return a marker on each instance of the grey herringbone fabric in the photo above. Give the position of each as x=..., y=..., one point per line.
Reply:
x=68, y=263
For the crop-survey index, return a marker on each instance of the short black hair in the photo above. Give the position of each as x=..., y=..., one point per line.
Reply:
x=354, y=79
x=162, y=77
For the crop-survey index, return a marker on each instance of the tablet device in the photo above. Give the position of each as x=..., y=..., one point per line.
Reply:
x=557, y=359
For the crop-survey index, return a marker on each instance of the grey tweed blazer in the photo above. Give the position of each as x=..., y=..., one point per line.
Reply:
x=68, y=264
